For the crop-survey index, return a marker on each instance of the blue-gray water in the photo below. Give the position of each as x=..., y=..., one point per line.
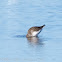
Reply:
x=16, y=17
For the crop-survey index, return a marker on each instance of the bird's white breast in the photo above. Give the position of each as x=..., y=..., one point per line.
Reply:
x=35, y=33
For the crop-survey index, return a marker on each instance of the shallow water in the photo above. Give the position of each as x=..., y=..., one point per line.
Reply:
x=16, y=17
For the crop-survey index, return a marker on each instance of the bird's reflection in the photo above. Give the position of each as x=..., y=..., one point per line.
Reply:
x=35, y=40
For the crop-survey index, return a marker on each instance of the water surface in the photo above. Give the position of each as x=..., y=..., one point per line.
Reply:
x=16, y=17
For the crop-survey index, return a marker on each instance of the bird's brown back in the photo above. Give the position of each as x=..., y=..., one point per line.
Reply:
x=36, y=28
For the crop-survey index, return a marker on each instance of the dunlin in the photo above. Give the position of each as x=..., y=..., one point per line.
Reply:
x=34, y=31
